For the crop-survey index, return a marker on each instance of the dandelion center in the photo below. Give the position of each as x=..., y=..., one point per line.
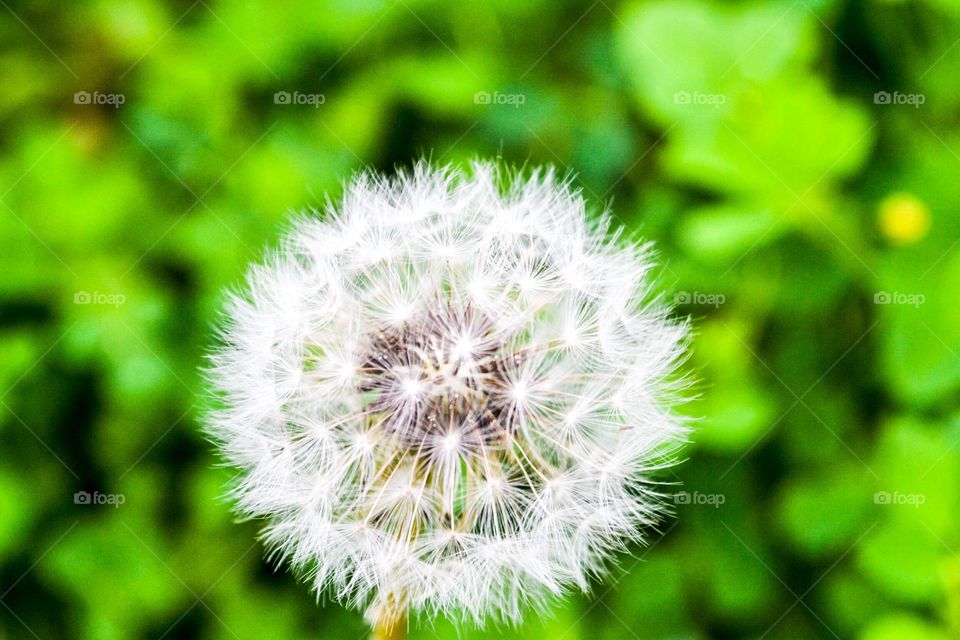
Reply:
x=434, y=381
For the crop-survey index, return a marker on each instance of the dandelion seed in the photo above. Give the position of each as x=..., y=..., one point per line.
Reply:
x=448, y=398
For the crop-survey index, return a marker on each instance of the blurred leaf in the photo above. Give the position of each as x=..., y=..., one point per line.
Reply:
x=107, y=560
x=921, y=330
x=738, y=410
x=851, y=601
x=724, y=232
x=902, y=627
x=901, y=557
x=827, y=512
x=744, y=116
x=18, y=508
x=738, y=414
x=681, y=47
x=919, y=468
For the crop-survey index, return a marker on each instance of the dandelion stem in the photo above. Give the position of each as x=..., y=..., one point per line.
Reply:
x=390, y=628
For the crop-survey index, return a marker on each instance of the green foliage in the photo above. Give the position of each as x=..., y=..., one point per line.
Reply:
x=794, y=162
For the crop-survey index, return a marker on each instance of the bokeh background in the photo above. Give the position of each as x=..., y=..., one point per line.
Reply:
x=796, y=162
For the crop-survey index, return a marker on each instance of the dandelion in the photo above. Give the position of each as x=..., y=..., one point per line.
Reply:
x=448, y=395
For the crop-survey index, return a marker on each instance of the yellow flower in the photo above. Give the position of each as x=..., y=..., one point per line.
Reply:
x=903, y=218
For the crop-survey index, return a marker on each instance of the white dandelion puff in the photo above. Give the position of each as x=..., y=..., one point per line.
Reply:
x=448, y=395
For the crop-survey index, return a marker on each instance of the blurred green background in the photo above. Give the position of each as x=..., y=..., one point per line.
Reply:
x=796, y=162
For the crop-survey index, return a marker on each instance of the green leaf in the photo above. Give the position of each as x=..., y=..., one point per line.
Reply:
x=722, y=233
x=825, y=513
x=903, y=626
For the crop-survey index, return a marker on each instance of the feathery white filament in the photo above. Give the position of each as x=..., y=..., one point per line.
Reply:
x=449, y=396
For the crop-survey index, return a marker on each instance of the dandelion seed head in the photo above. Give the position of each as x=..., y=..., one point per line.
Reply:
x=449, y=395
